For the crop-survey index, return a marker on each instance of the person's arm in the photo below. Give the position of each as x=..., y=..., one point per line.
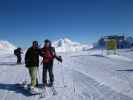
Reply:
x=27, y=56
x=54, y=52
x=59, y=58
x=40, y=52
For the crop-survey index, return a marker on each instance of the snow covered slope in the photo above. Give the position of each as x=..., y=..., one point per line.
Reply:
x=6, y=47
x=66, y=45
x=88, y=76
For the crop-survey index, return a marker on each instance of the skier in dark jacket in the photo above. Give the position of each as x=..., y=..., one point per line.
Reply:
x=32, y=63
x=17, y=53
x=48, y=54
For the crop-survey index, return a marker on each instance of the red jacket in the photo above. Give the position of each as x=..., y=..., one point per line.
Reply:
x=48, y=55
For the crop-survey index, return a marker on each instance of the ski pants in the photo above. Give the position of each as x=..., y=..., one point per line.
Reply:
x=33, y=75
x=48, y=68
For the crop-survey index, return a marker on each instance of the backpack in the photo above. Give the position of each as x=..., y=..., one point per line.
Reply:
x=15, y=52
x=48, y=55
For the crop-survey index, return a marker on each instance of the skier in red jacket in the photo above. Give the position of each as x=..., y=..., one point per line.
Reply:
x=48, y=54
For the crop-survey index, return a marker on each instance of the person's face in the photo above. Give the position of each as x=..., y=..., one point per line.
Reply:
x=47, y=44
x=35, y=45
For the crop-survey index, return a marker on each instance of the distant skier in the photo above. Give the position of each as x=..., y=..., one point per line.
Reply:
x=32, y=63
x=48, y=54
x=17, y=53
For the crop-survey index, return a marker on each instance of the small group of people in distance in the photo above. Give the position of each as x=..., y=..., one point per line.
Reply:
x=32, y=62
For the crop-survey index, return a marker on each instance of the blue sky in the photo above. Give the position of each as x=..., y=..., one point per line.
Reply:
x=22, y=21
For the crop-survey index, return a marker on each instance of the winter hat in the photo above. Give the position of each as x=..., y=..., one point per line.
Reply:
x=35, y=42
x=47, y=41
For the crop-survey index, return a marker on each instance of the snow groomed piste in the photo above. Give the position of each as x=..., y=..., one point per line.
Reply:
x=82, y=76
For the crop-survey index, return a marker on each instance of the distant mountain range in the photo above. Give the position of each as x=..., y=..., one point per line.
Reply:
x=67, y=45
x=61, y=45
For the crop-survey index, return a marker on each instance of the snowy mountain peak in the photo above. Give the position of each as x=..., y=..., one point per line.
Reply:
x=6, y=46
x=63, y=42
x=66, y=40
x=67, y=45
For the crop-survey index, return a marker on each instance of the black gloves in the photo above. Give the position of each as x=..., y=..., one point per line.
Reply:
x=59, y=58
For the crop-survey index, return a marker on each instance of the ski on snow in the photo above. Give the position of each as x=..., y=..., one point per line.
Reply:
x=54, y=92
x=45, y=93
x=26, y=89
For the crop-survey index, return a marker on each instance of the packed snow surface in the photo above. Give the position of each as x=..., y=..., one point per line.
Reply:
x=90, y=75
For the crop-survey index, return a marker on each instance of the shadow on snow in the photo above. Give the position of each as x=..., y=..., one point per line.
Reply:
x=9, y=63
x=97, y=55
x=127, y=70
x=14, y=88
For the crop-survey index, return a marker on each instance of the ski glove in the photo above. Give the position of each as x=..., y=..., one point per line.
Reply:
x=59, y=58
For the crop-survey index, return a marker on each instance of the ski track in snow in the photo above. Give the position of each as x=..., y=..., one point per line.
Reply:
x=108, y=75
x=88, y=77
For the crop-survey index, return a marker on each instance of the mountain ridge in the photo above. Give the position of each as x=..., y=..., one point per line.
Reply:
x=67, y=45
